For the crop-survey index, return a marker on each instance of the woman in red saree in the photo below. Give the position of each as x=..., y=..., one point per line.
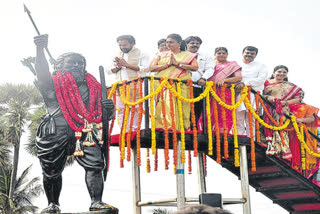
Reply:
x=228, y=72
x=287, y=97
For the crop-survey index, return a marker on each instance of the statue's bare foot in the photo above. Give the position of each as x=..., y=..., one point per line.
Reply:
x=101, y=206
x=52, y=208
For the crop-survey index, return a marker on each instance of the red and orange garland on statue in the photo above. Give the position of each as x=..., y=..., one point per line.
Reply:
x=80, y=118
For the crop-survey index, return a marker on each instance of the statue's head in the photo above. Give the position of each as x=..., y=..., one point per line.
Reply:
x=74, y=63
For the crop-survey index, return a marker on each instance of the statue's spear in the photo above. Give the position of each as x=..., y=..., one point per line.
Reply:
x=105, y=123
x=38, y=32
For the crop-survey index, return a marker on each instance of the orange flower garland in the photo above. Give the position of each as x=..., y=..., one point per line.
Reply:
x=182, y=135
x=132, y=115
x=153, y=122
x=256, y=121
x=303, y=152
x=224, y=121
x=166, y=134
x=236, y=146
x=253, y=154
x=138, y=141
x=148, y=161
x=193, y=120
x=216, y=124
x=189, y=162
x=156, y=161
x=174, y=130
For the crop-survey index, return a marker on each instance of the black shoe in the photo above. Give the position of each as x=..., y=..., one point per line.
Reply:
x=52, y=208
x=101, y=206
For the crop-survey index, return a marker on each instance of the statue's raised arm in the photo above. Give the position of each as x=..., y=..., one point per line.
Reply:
x=41, y=65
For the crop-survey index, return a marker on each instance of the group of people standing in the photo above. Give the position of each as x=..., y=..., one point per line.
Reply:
x=178, y=58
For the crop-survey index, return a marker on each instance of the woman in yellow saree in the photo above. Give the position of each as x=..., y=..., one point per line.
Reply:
x=174, y=64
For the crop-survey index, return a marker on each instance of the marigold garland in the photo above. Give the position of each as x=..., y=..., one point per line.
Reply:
x=189, y=162
x=148, y=167
x=138, y=141
x=210, y=144
x=303, y=152
x=224, y=122
x=166, y=133
x=132, y=115
x=234, y=119
x=257, y=95
x=275, y=128
x=153, y=122
x=216, y=124
x=182, y=133
x=243, y=96
x=193, y=121
x=125, y=122
x=253, y=154
x=174, y=130
x=156, y=161
x=301, y=139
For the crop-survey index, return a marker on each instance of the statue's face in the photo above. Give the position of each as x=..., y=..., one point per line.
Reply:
x=75, y=65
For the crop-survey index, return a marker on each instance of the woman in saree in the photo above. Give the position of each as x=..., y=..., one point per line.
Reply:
x=287, y=97
x=175, y=63
x=228, y=72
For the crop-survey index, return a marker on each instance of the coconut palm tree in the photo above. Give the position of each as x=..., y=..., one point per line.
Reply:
x=16, y=101
x=24, y=192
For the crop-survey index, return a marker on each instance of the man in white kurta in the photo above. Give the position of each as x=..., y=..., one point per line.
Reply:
x=205, y=71
x=128, y=64
x=254, y=74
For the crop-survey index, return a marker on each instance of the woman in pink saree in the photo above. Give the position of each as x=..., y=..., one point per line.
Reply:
x=228, y=72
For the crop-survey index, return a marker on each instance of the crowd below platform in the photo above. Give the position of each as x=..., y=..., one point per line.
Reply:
x=178, y=58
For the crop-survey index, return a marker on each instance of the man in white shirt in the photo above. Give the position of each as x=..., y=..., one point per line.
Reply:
x=128, y=64
x=204, y=72
x=254, y=74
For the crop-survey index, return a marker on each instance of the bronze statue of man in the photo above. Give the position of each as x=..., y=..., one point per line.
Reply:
x=72, y=125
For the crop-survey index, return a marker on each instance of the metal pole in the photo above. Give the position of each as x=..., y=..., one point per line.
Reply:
x=180, y=179
x=136, y=183
x=201, y=175
x=244, y=179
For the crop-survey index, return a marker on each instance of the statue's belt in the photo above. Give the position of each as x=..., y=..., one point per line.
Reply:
x=48, y=126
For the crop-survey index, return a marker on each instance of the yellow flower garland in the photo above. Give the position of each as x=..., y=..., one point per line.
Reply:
x=244, y=93
x=210, y=146
x=235, y=132
x=153, y=122
x=303, y=152
x=113, y=89
x=183, y=143
x=124, y=127
x=149, y=96
x=300, y=137
x=257, y=117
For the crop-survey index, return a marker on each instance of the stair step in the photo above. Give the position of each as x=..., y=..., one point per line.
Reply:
x=282, y=188
x=268, y=175
x=314, y=199
x=278, y=182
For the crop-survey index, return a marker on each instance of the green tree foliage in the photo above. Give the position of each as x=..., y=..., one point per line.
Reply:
x=24, y=192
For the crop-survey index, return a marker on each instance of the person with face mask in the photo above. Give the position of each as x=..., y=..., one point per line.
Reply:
x=74, y=112
x=128, y=64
